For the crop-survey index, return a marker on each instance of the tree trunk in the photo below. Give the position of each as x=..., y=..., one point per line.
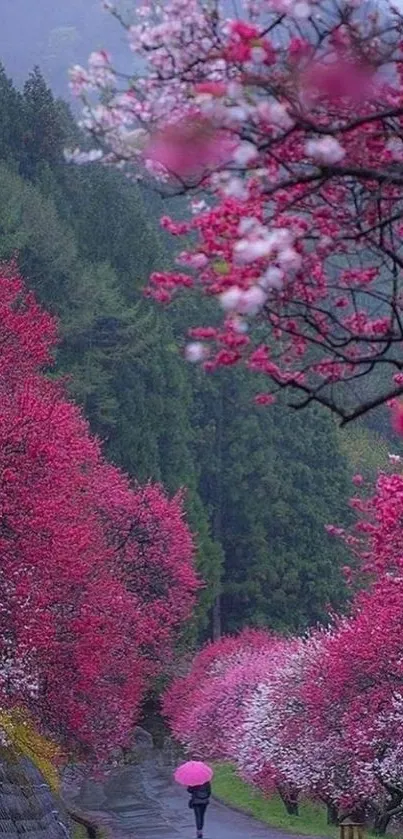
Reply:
x=395, y=809
x=381, y=823
x=332, y=813
x=217, y=619
x=291, y=807
x=289, y=798
x=217, y=516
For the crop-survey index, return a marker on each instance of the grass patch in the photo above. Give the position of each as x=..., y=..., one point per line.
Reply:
x=80, y=832
x=312, y=820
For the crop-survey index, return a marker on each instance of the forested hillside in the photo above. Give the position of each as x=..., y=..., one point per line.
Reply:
x=261, y=483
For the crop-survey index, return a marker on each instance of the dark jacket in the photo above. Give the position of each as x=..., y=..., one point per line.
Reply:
x=200, y=795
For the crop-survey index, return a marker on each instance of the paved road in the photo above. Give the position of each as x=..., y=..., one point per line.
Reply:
x=139, y=802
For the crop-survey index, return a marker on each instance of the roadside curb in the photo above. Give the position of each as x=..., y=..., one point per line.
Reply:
x=94, y=831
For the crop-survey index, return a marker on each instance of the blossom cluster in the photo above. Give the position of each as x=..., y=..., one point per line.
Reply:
x=284, y=126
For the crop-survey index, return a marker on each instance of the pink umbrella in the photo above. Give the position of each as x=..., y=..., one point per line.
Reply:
x=193, y=773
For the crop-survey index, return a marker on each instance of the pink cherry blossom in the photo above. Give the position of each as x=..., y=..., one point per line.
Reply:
x=252, y=300
x=397, y=417
x=244, y=153
x=212, y=88
x=231, y=299
x=325, y=150
x=265, y=399
x=186, y=148
x=248, y=250
x=289, y=259
x=273, y=278
x=79, y=80
x=196, y=351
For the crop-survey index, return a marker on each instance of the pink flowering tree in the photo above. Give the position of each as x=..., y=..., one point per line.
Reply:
x=282, y=747
x=356, y=687
x=352, y=699
x=283, y=124
x=314, y=716
x=217, y=710
x=318, y=716
x=97, y=574
x=196, y=705
x=211, y=726
x=264, y=756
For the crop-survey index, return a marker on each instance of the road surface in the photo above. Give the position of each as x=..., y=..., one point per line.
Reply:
x=140, y=802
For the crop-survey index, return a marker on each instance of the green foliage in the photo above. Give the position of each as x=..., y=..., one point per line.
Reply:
x=11, y=124
x=25, y=741
x=274, y=478
x=81, y=832
x=261, y=483
x=366, y=451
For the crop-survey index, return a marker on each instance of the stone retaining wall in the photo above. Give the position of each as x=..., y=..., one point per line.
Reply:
x=27, y=806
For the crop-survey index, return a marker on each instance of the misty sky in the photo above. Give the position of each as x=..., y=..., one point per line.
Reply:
x=55, y=34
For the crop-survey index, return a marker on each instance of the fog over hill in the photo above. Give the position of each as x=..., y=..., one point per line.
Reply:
x=55, y=34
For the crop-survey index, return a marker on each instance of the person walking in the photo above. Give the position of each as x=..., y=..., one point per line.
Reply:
x=198, y=802
x=196, y=776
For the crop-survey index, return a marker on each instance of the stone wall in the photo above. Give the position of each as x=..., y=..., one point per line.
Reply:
x=27, y=806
